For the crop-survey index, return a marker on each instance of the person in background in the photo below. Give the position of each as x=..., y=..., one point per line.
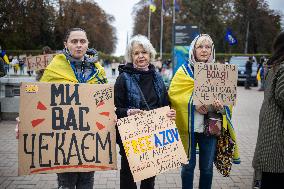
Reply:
x=29, y=72
x=10, y=58
x=268, y=159
x=2, y=67
x=21, y=65
x=248, y=73
x=77, y=64
x=226, y=61
x=166, y=74
x=45, y=50
x=260, y=73
x=190, y=119
x=15, y=64
x=113, y=67
x=138, y=87
x=158, y=64
x=5, y=62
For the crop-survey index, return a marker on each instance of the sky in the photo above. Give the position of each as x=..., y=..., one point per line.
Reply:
x=122, y=9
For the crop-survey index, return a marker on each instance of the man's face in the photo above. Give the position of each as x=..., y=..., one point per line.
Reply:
x=77, y=44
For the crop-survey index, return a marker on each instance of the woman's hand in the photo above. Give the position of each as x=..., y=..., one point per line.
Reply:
x=134, y=111
x=217, y=105
x=115, y=116
x=202, y=109
x=17, y=128
x=171, y=114
x=115, y=119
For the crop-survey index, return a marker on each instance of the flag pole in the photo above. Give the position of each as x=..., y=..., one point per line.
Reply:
x=246, y=41
x=174, y=12
x=126, y=38
x=162, y=28
x=149, y=23
x=173, y=37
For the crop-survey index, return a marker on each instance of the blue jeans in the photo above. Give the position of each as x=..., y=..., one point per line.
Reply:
x=207, y=149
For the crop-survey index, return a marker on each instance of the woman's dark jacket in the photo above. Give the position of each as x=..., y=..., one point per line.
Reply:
x=128, y=96
x=269, y=151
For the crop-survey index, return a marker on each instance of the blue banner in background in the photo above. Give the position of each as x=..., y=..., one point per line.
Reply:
x=181, y=56
x=183, y=35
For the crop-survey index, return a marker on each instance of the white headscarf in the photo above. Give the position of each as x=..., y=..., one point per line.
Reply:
x=191, y=52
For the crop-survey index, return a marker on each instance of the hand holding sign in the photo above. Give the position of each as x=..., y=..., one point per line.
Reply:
x=134, y=111
x=202, y=109
x=172, y=114
x=217, y=105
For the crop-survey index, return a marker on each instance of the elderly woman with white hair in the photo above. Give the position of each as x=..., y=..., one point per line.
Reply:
x=138, y=87
x=190, y=119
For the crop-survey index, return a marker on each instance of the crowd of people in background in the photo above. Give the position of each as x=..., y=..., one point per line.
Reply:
x=18, y=66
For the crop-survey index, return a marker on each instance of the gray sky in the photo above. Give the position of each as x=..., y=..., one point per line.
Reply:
x=122, y=9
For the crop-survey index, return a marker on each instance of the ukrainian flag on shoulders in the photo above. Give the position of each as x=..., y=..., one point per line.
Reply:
x=152, y=6
x=4, y=56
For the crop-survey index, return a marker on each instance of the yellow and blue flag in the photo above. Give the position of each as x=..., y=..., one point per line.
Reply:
x=4, y=56
x=152, y=6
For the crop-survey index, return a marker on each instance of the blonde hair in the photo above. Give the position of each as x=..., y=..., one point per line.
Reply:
x=144, y=42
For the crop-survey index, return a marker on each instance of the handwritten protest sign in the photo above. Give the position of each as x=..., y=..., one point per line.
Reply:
x=66, y=128
x=38, y=62
x=151, y=142
x=215, y=81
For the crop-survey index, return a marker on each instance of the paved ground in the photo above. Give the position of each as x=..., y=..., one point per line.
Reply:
x=245, y=119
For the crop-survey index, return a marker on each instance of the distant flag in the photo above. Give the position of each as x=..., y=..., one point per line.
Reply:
x=230, y=37
x=163, y=5
x=152, y=6
x=177, y=7
x=4, y=56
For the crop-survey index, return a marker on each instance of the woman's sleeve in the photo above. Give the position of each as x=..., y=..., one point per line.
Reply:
x=279, y=88
x=166, y=98
x=120, y=97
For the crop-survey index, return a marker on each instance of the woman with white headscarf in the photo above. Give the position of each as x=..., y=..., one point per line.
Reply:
x=190, y=118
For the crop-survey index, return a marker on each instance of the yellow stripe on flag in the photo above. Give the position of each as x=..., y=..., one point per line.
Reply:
x=152, y=8
x=258, y=75
x=6, y=59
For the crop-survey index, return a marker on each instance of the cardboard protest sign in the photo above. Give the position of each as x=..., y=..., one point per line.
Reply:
x=215, y=81
x=38, y=62
x=151, y=142
x=66, y=128
x=22, y=56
